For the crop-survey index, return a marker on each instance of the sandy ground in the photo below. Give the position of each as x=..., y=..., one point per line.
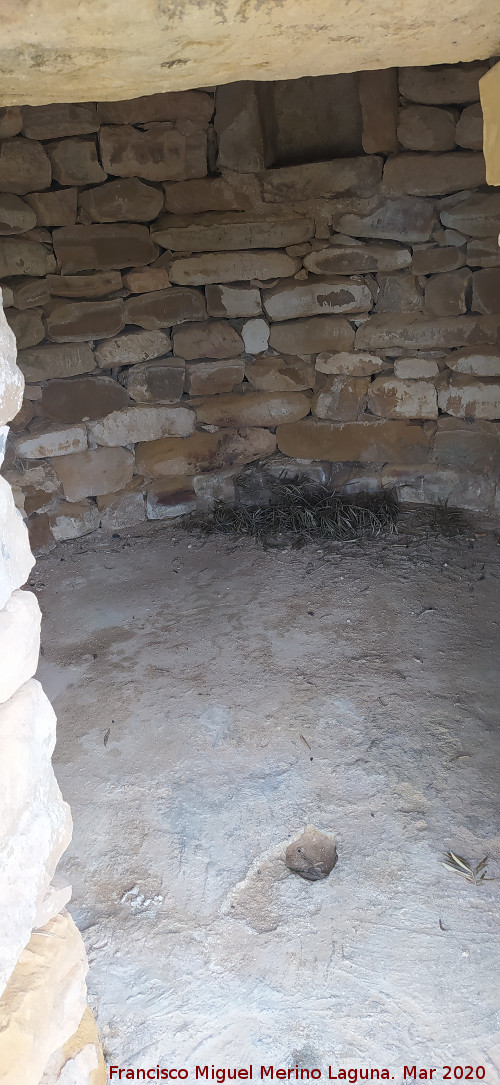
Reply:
x=214, y=699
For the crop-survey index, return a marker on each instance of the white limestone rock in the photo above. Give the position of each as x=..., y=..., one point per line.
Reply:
x=255, y=335
x=11, y=378
x=16, y=559
x=135, y=424
x=19, y=642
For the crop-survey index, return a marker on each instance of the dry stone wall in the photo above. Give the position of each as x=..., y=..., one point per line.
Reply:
x=181, y=310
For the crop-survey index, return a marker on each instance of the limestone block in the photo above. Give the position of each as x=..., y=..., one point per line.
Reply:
x=46, y=362
x=16, y=559
x=486, y=291
x=483, y=253
x=489, y=87
x=317, y=296
x=41, y=538
x=79, y=1070
x=6, y=295
x=432, y=259
x=11, y=121
x=218, y=486
x=255, y=335
x=125, y=200
x=203, y=452
x=252, y=409
x=71, y=520
x=88, y=474
x=382, y=332
x=391, y=397
x=81, y=399
x=325, y=179
x=191, y=105
x=28, y=293
x=19, y=642
x=75, y=162
x=442, y=85
x=160, y=382
x=470, y=397
x=238, y=127
x=11, y=378
x=348, y=259
x=399, y=293
x=280, y=374
x=132, y=347
x=312, y=336
x=233, y=301
x=229, y=267
x=19, y=256
x=434, y=174
x=88, y=285
x=170, y=497
x=24, y=166
x=27, y=327
x=349, y=365
x=101, y=248
x=43, y=1002
x=479, y=361
x=361, y=442
x=210, y=339
x=401, y=218
x=426, y=128
x=448, y=294
x=164, y=308
x=16, y=216
x=159, y=152
x=231, y=230
x=4, y=433
x=122, y=509
x=478, y=215
x=208, y=378
x=430, y=485
x=51, y=121
x=141, y=280
x=416, y=368
x=378, y=94
x=76, y=322
x=44, y=441
x=469, y=131
x=134, y=424
x=466, y=445
x=341, y=399
x=231, y=192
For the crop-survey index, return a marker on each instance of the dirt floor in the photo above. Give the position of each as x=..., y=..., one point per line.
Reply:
x=213, y=700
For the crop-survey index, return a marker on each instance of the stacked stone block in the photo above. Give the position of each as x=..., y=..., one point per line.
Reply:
x=181, y=310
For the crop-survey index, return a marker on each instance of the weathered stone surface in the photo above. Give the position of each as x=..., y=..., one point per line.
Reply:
x=486, y=291
x=489, y=87
x=434, y=174
x=470, y=397
x=229, y=267
x=125, y=200
x=42, y=441
x=80, y=399
x=75, y=322
x=19, y=642
x=357, y=257
x=312, y=336
x=16, y=558
x=432, y=259
x=132, y=347
x=28, y=293
x=80, y=1060
x=280, y=374
x=317, y=296
x=46, y=362
x=479, y=361
x=23, y=417
x=170, y=497
x=192, y=105
x=122, y=509
x=24, y=166
x=469, y=132
x=326, y=179
x=203, y=452
x=349, y=365
x=208, y=378
x=11, y=121
x=75, y=162
x=72, y=519
x=466, y=445
x=51, y=121
x=255, y=335
x=442, y=85
x=160, y=152
x=160, y=382
x=238, y=127
x=101, y=248
x=382, y=442
x=90, y=285
x=253, y=409
x=341, y=399
x=232, y=230
x=425, y=128
x=399, y=293
x=18, y=256
x=133, y=424
x=231, y=192
x=233, y=301
x=218, y=486
x=478, y=215
x=448, y=294
x=163, y=308
x=378, y=93
x=27, y=327
x=391, y=397
x=6, y=295
x=425, y=333
x=88, y=474
x=141, y=280
x=401, y=218
x=416, y=368
x=210, y=339
x=483, y=253
x=16, y=216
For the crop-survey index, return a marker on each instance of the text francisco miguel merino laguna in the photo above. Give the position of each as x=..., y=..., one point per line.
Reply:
x=262, y=1073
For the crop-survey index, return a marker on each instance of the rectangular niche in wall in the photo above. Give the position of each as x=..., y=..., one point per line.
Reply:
x=310, y=119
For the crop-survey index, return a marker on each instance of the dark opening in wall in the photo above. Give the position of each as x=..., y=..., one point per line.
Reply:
x=311, y=119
